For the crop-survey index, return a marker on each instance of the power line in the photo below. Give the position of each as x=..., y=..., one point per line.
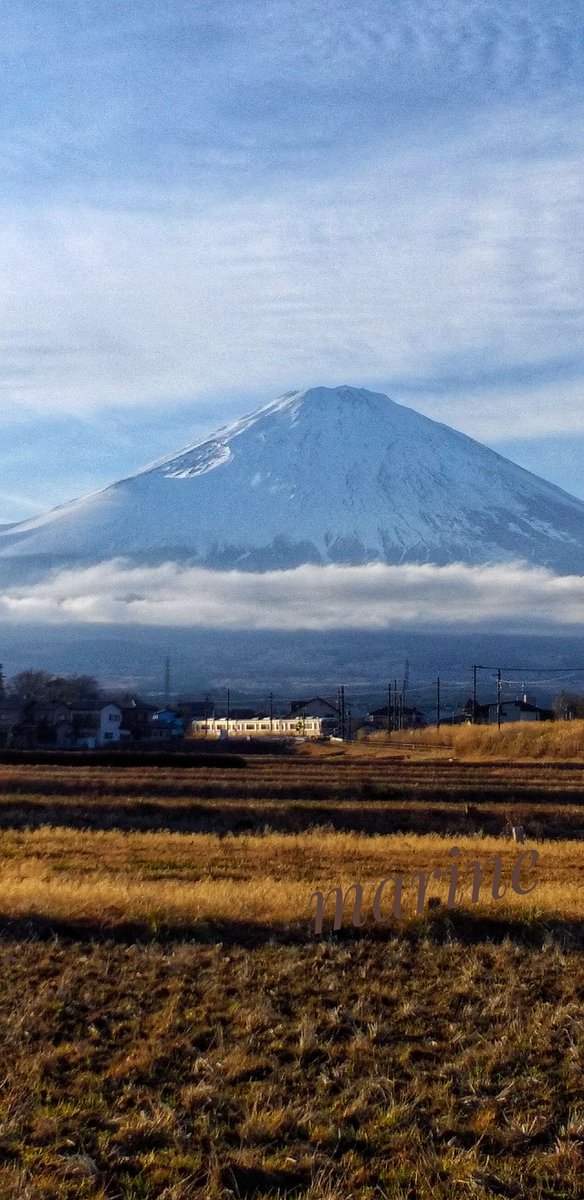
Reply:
x=526, y=670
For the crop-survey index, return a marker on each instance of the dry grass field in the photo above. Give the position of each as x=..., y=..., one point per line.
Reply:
x=551, y=740
x=202, y=883
x=172, y=1027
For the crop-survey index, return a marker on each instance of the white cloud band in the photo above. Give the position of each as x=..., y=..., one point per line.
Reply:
x=512, y=597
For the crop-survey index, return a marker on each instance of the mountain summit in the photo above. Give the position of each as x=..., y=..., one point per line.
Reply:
x=328, y=475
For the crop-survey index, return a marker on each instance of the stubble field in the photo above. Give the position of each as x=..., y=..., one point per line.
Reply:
x=171, y=1025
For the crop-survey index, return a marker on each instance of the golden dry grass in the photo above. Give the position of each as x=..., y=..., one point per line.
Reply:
x=242, y=1057
x=516, y=740
x=101, y=847
x=190, y=880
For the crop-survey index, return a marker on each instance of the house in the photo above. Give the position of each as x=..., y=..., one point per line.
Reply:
x=240, y=714
x=516, y=710
x=9, y=717
x=196, y=710
x=96, y=724
x=41, y=723
x=407, y=718
x=317, y=707
x=166, y=725
x=135, y=717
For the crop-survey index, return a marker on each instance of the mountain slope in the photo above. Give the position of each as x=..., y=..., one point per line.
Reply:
x=327, y=475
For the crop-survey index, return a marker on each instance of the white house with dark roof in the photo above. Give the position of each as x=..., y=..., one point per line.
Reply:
x=97, y=724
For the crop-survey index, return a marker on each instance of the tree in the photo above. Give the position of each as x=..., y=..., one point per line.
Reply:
x=29, y=684
x=40, y=685
x=75, y=689
x=568, y=706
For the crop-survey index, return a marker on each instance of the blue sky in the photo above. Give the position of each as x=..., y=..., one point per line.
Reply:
x=205, y=205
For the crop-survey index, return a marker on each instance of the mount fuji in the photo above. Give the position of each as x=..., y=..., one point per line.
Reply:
x=327, y=475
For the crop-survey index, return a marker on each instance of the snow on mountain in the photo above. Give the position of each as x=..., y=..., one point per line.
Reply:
x=328, y=475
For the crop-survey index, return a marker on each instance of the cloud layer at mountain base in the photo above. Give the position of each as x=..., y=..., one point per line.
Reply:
x=512, y=598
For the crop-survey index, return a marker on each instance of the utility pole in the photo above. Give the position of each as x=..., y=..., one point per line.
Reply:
x=271, y=710
x=405, y=682
x=438, y=703
x=499, y=698
x=389, y=710
x=342, y=694
x=167, y=682
x=474, y=693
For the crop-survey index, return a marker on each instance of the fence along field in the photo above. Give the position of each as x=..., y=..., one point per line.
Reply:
x=171, y=1026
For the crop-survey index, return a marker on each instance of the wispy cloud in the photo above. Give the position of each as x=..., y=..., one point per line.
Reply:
x=276, y=194
x=512, y=598
x=410, y=272
x=247, y=85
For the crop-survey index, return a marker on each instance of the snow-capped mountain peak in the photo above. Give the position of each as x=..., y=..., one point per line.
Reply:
x=322, y=475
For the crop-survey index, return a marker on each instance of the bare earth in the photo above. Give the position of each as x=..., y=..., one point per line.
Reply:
x=171, y=1025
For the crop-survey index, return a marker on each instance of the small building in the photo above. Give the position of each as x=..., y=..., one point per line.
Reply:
x=136, y=716
x=458, y=718
x=9, y=718
x=408, y=718
x=238, y=714
x=41, y=723
x=317, y=707
x=166, y=725
x=516, y=710
x=96, y=724
x=195, y=710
